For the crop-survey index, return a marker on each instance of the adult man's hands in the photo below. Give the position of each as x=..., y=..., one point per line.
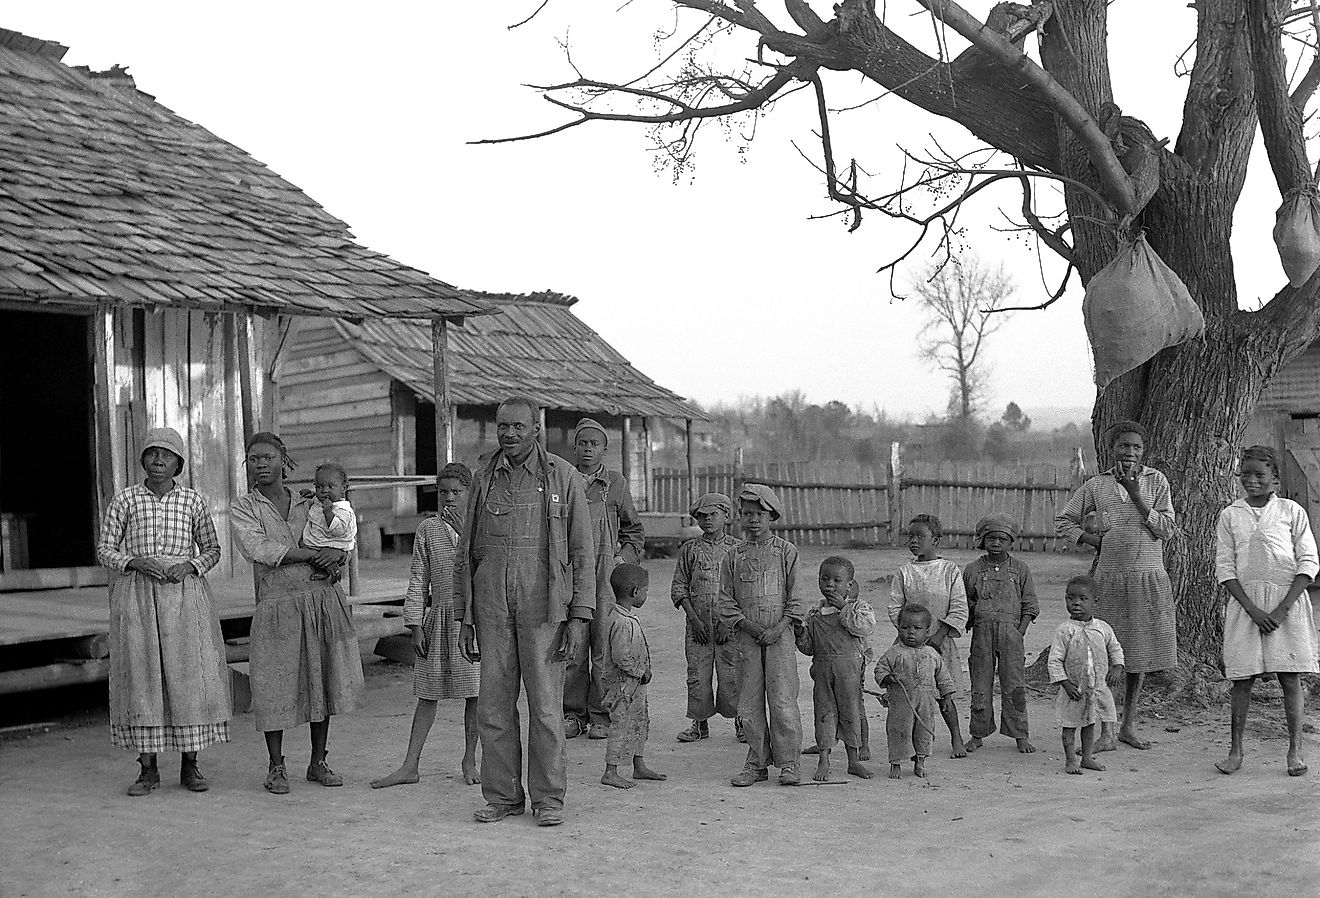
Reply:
x=467, y=643
x=575, y=636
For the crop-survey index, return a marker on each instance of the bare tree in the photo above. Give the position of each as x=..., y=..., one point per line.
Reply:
x=960, y=303
x=1052, y=119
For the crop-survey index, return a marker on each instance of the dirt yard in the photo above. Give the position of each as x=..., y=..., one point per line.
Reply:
x=997, y=823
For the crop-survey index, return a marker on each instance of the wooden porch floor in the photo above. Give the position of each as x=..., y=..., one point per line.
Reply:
x=50, y=614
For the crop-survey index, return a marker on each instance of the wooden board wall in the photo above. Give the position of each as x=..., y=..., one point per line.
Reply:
x=334, y=405
x=178, y=368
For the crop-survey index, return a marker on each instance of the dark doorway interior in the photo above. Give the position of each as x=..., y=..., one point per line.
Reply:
x=427, y=499
x=46, y=470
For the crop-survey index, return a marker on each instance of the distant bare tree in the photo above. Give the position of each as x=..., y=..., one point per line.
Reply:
x=959, y=300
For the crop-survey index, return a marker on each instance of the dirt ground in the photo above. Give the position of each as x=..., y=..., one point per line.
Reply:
x=1158, y=822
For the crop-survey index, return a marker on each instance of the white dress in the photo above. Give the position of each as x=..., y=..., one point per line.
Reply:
x=938, y=585
x=1264, y=549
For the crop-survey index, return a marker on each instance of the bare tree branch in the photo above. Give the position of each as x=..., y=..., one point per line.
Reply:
x=536, y=12
x=1280, y=120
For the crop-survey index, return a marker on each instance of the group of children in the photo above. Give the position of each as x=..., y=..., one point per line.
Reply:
x=745, y=622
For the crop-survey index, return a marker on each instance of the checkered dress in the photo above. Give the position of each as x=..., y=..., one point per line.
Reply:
x=169, y=686
x=429, y=604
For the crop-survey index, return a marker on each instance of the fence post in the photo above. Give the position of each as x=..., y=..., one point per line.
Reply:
x=1029, y=498
x=734, y=525
x=893, y=492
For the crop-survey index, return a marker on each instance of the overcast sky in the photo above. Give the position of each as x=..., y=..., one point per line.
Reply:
x=717, y=286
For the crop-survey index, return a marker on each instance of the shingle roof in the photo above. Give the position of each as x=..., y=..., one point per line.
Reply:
x=533, y=345
x=108, y=196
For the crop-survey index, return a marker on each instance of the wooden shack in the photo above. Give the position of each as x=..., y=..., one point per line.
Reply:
x=150, y=275
x=363, y=394
x=1288, y=418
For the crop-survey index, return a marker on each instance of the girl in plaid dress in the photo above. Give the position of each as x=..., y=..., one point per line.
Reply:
x=169, y=688
x=440, y=671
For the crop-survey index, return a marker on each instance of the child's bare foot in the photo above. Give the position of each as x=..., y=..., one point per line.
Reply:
x=642, y=772
x=404, y=776
x=859, y=770
x=612, y=778
x=822, y=769
x=919, y=767
x=1071, y=766
x=811, y=750
x=1296, y=766
x=1106, y=743
x=1129, y=737
x=972, y=744
x=1025, y=747
x=959, y=748
x=864, y=753
x=895, y=771
x=1231, y=764
x=471, y=776
x=1092, y=764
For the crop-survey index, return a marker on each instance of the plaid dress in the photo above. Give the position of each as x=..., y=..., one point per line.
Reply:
x=1134, y=595
x=169, y=685
x=429, y=604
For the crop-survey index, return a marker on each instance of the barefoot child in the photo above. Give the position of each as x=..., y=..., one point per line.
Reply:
x=758, y=598
x=332, y=524
x=835, y=636
x=440, y=670
x=1001, y=604
x=712, y=655
x=936, y=583
x=1266, y=558
x=1085, y=660
x=626, y=671
x=917, y=683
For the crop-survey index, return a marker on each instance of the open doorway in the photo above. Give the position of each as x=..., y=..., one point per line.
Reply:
x=428, y=500
x=47, y=482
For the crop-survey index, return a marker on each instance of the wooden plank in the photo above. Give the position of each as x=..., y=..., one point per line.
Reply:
x=403, y=460
x=687, y=455
x=53, y=578
x=250, y=379
x=110, y=479
x=358, y=391
x=444, y=442
x=340, y=411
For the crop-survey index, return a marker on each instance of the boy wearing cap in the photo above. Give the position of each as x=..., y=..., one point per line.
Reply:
x=1001, y=604
x=619, y=539
x=758, y=600
x=712, y=653
x=169, y=686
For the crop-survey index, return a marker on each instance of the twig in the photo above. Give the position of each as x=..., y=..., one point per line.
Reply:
x=535, y=13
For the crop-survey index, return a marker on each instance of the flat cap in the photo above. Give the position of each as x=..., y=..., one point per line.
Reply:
x=765, y=497
x=712, y=502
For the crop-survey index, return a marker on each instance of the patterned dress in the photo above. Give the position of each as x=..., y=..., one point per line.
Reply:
x=938, y=585
x=169, y=685
x=1264, y=549
x=1134, y=595
x=443, y=673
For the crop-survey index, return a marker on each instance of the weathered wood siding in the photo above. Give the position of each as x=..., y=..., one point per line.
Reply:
x=177, y=368
x=334, y=405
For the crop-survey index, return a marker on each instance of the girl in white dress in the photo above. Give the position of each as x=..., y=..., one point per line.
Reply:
x=1266, y=558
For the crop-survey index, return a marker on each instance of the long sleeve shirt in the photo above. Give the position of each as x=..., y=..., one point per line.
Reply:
x=1105, y=494
x=1000, y=591
x=626, y=651
x=936, y=584
x=617, y=527
x=138, y=523
x=1083, y=652
x=431, y=574
x=856, y=617
x=758, y=582
x=697, y=569
x=1273, y=543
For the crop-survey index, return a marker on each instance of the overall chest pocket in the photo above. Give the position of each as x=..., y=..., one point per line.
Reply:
x=498, y=519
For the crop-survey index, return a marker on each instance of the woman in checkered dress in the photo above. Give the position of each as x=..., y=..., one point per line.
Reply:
x=440, y=671
x=1134, y=508
x=169, y=688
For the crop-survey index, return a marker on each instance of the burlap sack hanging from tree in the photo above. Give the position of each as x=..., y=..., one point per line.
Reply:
x=1134, y=307
x=1297, y=235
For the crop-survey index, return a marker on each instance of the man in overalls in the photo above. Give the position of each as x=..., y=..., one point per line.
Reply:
x=619, y=539
x=524, y=591
x=758, y=598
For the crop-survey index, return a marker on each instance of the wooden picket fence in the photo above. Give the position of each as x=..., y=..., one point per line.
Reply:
x=841, y=503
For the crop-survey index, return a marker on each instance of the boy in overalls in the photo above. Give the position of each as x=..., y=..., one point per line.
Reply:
x=1001, y=604
x=710, y=645
x=758, y=601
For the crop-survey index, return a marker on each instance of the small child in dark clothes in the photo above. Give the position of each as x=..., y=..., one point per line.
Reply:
x=627, y=670
x=1001, y=604
x=835, y=636
x=919, y=685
